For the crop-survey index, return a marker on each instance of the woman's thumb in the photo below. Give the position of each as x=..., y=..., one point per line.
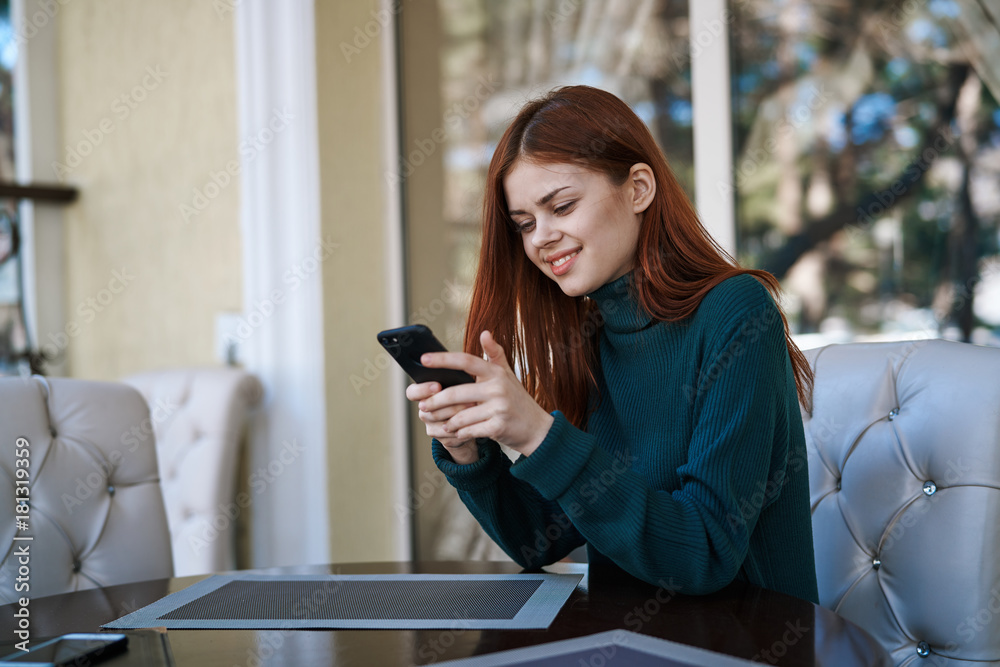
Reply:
x=494, y=353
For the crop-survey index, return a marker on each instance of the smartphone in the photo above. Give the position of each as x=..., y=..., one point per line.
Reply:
x=74, y=649
x=407, y=344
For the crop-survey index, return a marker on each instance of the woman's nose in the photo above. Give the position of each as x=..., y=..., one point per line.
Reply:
x=545, y=233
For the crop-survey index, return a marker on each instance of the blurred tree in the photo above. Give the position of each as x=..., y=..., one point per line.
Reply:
x=866, y=144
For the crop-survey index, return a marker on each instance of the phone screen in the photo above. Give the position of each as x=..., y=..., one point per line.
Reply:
x=66, y=650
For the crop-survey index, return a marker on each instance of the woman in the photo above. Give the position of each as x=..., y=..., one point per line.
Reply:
x=657, y=416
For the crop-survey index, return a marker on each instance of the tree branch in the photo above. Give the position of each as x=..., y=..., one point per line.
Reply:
x=863, y=212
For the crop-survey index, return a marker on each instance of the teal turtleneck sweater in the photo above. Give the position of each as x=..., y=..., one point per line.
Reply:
x=692, y=470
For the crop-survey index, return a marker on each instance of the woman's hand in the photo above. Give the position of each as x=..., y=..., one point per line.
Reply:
x=496, y=406
x=462, y=452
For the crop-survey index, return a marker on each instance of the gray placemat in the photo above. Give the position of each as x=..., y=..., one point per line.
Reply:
x=403, y=601
x=616, y=648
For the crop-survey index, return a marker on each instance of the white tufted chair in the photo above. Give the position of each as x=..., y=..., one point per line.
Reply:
x=199, y=416
x=95, y=511
x=904, y=472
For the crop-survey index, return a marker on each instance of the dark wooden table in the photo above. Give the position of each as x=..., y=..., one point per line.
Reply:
x=741, y=620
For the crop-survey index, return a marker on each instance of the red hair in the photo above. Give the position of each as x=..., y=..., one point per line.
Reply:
x=551, y=336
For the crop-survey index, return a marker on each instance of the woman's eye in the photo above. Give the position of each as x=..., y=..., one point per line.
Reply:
x=523, y=227
x=560, y=210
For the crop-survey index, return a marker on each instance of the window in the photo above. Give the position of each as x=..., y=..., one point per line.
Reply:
x=13, y=336
x=866, y=156
x=867, y=149
x=467, y=67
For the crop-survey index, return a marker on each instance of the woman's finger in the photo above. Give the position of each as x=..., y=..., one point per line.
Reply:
x=459, y=394
x=466, y=418
x=418, y=392
x=457, y=360
x=494, y=351
x=436, y=430
x=481, y=429
x=444, y=414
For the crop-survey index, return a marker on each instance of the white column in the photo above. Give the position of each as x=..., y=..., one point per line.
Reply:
x=37, y=144
x=280, y=224
x=398, y=411
x=712, y=109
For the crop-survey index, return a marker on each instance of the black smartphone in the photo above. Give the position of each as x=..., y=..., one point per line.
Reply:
x=407, y=344
x=73, y=649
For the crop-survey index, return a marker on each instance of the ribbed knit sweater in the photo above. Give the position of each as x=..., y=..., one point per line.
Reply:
x=692, y=470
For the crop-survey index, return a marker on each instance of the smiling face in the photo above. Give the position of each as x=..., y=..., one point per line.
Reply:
x=577, y=227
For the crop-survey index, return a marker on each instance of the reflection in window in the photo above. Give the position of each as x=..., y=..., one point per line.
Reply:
x=867, y=162
x=513, y=50
x=494, y=56
x=13, y=336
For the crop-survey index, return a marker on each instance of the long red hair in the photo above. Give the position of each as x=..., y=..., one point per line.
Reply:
x=550, y=336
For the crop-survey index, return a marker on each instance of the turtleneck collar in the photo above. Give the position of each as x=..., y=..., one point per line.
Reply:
x=620, y=309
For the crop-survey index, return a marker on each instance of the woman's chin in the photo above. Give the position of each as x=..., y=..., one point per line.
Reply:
x=573, y=288
x=573, y=283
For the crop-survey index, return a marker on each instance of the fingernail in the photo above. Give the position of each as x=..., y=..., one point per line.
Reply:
x=421, y=406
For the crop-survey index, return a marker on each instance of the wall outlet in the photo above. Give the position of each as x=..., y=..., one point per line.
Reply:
x=228, y=348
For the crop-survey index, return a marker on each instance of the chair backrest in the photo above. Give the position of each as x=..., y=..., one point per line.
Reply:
x=93, y=507
x=904, y=473
x=198, y=418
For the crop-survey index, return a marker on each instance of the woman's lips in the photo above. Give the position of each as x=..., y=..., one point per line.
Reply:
x=564, y=264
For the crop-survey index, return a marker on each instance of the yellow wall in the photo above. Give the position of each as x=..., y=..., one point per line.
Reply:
x=182, y=273
x=145, y=159
x=352, y=181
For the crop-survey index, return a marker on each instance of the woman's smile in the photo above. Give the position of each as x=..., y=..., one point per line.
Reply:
x=563, y=261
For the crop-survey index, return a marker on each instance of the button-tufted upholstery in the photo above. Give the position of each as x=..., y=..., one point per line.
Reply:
x=904, y=471
x=199, y=415
x=95, y=511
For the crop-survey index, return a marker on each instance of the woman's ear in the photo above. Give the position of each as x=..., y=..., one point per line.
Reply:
x=643, y=184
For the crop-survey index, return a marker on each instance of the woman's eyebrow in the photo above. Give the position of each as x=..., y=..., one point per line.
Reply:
x=541, y=202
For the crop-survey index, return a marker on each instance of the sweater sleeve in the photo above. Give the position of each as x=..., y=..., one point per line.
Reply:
x=695, y=537
x=532, y=530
